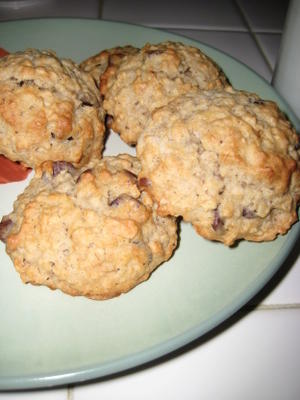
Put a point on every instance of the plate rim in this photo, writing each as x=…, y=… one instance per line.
x=167, y=347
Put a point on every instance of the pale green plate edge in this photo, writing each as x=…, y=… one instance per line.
x=166, y=347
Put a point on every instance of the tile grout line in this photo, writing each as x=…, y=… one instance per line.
x=100, y=9
x=201, y=29
x=192, y=28
x=272, y=307
x=70, y=392
x=253, y=35
x=247, y=309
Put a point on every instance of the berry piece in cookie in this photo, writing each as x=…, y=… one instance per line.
x=151, y=78
x=108, y=58
x=49, y=110
x=88, y=232
x=226, y=161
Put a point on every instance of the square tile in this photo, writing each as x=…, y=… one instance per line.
x=239, y=45
x=253, y=356
x=197, y=14
x=270, y=44
x=12, y=10
x=51, y=394
x=264, y=15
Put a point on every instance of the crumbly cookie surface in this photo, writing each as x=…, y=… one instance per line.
x=88, y=231
x=227, y=161
x=49, y=110
x=150, y=79
x=97, y=64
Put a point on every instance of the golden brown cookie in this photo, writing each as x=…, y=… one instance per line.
x=49, y=110
x=89, y=231
x=150, y=79
x=97, y=64
x=227, y=161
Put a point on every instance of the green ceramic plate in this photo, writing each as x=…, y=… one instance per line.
x=48, y=338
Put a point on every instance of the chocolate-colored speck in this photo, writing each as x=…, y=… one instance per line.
x=217, y=222
x=59, y=166
x=108, y=121
x=5, y=227
x=116, y=201
x=256, y=101
x=26, y=82
x=248, y=213
x=85, y=103
x=144, y=182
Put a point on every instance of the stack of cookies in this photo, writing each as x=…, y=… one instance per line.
x=83, y=224
x=223, y=160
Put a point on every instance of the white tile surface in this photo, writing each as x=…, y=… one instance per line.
x=255, y=358
x=270, y=44
x=237, y=44
x=202, y=14
x=54, y=394
x=264, y=15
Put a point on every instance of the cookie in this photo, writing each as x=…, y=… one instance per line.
x=226, y=161
x=49, y=110
x=97, y=64
x=150, y=79
x=90, y=232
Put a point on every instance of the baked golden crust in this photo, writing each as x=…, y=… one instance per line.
x=227, y=161
x=97, y=64
x=49, y=110
x=89, y=232
x=150, y=79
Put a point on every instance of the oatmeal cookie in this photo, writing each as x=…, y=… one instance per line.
x=88, y=231
x=97, y=64
x=49, y=110
x=150, y=79
x=226, y=161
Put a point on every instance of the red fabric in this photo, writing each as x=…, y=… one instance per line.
x=3, y=52
x=11, y=171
